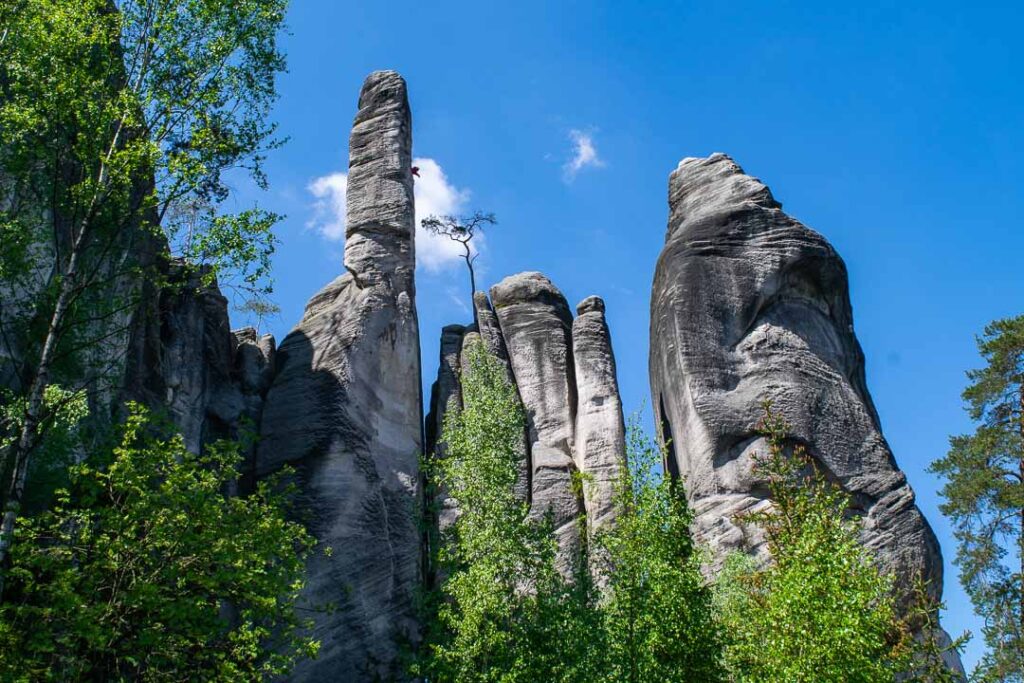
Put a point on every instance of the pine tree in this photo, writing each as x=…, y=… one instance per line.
x=984, y=497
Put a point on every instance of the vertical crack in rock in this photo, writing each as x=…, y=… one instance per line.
x=536, y=324
x=600, y=431
x=750, y=305
x=345, y=410
x=564, y=373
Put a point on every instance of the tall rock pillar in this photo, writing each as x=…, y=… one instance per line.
x=345, y=410
x=750, y=305
x=600, y=432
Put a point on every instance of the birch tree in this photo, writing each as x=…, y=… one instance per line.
x=113, y=113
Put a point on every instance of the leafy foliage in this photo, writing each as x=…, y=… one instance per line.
x=505, y=613
x=116, y=118
x=658, y=612
x=145, y=570
x=65, y=411
x=984, y=497
x=821, y=611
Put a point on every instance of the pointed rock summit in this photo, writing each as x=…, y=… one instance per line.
x=345, y=411
x=749, y=305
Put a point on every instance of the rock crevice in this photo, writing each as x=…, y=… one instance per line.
x=564, y=372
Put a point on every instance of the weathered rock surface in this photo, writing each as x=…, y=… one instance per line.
x=531, y=329
x=750, y=305
x=445, y=395
x=196, y=363
x=600, y=432
x=536, y=324
x=345, y=410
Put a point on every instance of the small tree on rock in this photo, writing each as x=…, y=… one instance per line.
x=822, y=611
x=462, y=229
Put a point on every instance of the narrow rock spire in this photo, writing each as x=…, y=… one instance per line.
x=600, y=433
x=380, y=214
x=345, y=409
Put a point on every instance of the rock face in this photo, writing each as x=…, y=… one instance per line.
x=185, y=359
x=444, y=396
x=750, y=305
x=345, y=410
x=564, y=372
x=536, y=324
x=600, y=437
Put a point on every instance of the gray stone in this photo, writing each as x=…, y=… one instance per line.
x=537, y=327
x=489, y=328
x=554, y=494
x=551, y=361
x=445, y=394
x=345, y=410
x=600, y=432
x=750, y=305
x=196, y=361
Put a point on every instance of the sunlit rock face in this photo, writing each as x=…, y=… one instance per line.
x=345, y=410
x=564, y=372
x=749, y=305
x=600, y=437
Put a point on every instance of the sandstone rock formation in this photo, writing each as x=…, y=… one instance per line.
x=345, y=410
x=600, y=436
x=750, y=305
x=564, y=372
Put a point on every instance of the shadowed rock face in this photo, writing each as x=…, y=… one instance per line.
x=345, y=410
x=564, y=372
x=750, y=305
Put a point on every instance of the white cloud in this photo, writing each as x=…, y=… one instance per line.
x=584, y=154
x=435, y=196
x=329, y=207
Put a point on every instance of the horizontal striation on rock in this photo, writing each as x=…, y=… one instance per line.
x=600, y=431
x=345, y=410
x=531, y=329
x=750, y=305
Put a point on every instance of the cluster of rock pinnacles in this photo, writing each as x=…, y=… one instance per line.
x=748, y=305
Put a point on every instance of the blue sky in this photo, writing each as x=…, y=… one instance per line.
x=893, y=129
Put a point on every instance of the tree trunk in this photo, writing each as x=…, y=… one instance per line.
x=472, y=281
x=22, y=449
x=1020, y=482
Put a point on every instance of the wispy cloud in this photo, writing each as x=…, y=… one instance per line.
x=458, y=299
x=584, y=154
x=435, y=196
